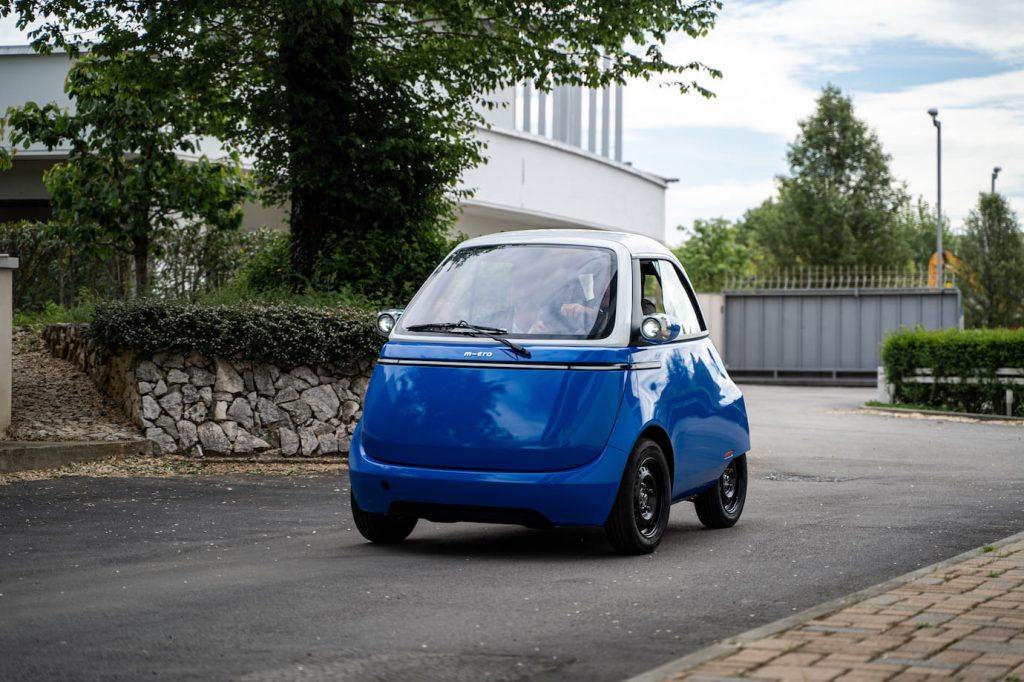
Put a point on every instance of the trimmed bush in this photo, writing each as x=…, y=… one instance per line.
x=956, y=354
x=286, y=335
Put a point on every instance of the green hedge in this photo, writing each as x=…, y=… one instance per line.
x=952, y=353
x=286, y=335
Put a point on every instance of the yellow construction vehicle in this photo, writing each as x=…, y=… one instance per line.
x=951, y=264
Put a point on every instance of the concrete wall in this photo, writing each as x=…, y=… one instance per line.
x=713, y=308
x=535, y=182
x=256, y=217
x=24, y=180
x=29, y=77
x=7, y=267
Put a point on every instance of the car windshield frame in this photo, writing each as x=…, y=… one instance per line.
x=589, y=277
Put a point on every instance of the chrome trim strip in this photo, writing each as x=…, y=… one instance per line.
x=611, y=367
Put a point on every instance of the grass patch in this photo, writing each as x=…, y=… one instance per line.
x=985, y=549
x=52, y=314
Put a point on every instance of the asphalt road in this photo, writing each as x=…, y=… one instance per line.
x=259, y=578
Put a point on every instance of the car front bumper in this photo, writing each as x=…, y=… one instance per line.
x=582, y=496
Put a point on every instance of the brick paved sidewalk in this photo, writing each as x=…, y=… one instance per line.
x=962, y=619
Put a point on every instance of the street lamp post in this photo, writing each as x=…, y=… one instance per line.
x=934, y=113
x=995, y=174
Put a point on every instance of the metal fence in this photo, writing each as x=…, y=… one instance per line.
x=801, y=335
x=836, y=277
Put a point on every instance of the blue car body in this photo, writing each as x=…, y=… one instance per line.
x=467, y=429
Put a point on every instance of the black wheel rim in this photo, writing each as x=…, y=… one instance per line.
x=648, y=497
x=729, y=487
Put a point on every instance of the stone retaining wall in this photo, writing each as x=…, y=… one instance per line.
x=114, y=376
x=196, y=405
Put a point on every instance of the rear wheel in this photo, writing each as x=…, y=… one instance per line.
x=640, y=515
x=382, y=528
x=720, y=505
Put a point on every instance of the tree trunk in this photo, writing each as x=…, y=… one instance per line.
x=316, y=68
x=140, y=257
x=309, y=229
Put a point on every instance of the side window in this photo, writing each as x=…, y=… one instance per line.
x=678, y=304
x=652, y=300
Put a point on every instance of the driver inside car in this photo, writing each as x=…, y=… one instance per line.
x=580, y=307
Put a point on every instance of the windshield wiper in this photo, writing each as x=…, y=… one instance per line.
x=472, y=329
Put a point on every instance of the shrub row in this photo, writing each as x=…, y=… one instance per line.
x=285, y=335
x=955, y=354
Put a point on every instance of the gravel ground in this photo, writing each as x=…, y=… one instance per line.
x=173, y=465
x=55, y=401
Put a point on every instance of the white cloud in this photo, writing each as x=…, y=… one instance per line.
x=981, y=119
x=764, y=49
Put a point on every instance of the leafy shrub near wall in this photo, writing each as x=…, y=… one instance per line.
x=286, y=335
x=956, y=354
x=52, y=270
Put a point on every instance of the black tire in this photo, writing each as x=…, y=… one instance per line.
x=382, y=528
x=640, y=514
x=720, y=505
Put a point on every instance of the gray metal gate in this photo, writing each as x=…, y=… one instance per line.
x=824, y=335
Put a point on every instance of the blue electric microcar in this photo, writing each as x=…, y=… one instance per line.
x=550, y=378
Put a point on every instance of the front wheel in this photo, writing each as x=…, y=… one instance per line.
x=720, y=505
x=381, y=528
x=640, y=514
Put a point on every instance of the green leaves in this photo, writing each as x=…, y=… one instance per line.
x=715, y=251
x=362, y=115
x=992, y=249
x=124, y=184
x=840, y=204
x=955, y=354
x=286, y=335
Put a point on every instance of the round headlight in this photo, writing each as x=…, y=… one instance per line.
x=651, y=328
x=385, y=323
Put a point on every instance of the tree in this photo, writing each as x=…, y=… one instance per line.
x=123, y=183
x=993, y=249
x=714, y=251
x=917, y=223
x=840, y=204
x=362, y=114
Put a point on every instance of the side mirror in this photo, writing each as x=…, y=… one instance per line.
x=659, y=328
x=386, y=321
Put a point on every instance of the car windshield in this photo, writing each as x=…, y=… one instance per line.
x=522, y=290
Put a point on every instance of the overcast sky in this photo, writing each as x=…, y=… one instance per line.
x=897, y=58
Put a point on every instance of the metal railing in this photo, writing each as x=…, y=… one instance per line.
x=835, y=277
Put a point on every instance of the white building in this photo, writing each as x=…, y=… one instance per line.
x=554, y=160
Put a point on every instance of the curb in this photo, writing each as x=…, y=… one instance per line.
x=27, y=455
x=729, y=645
x=942, y=413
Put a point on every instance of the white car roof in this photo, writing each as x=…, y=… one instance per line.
x=637, y=245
